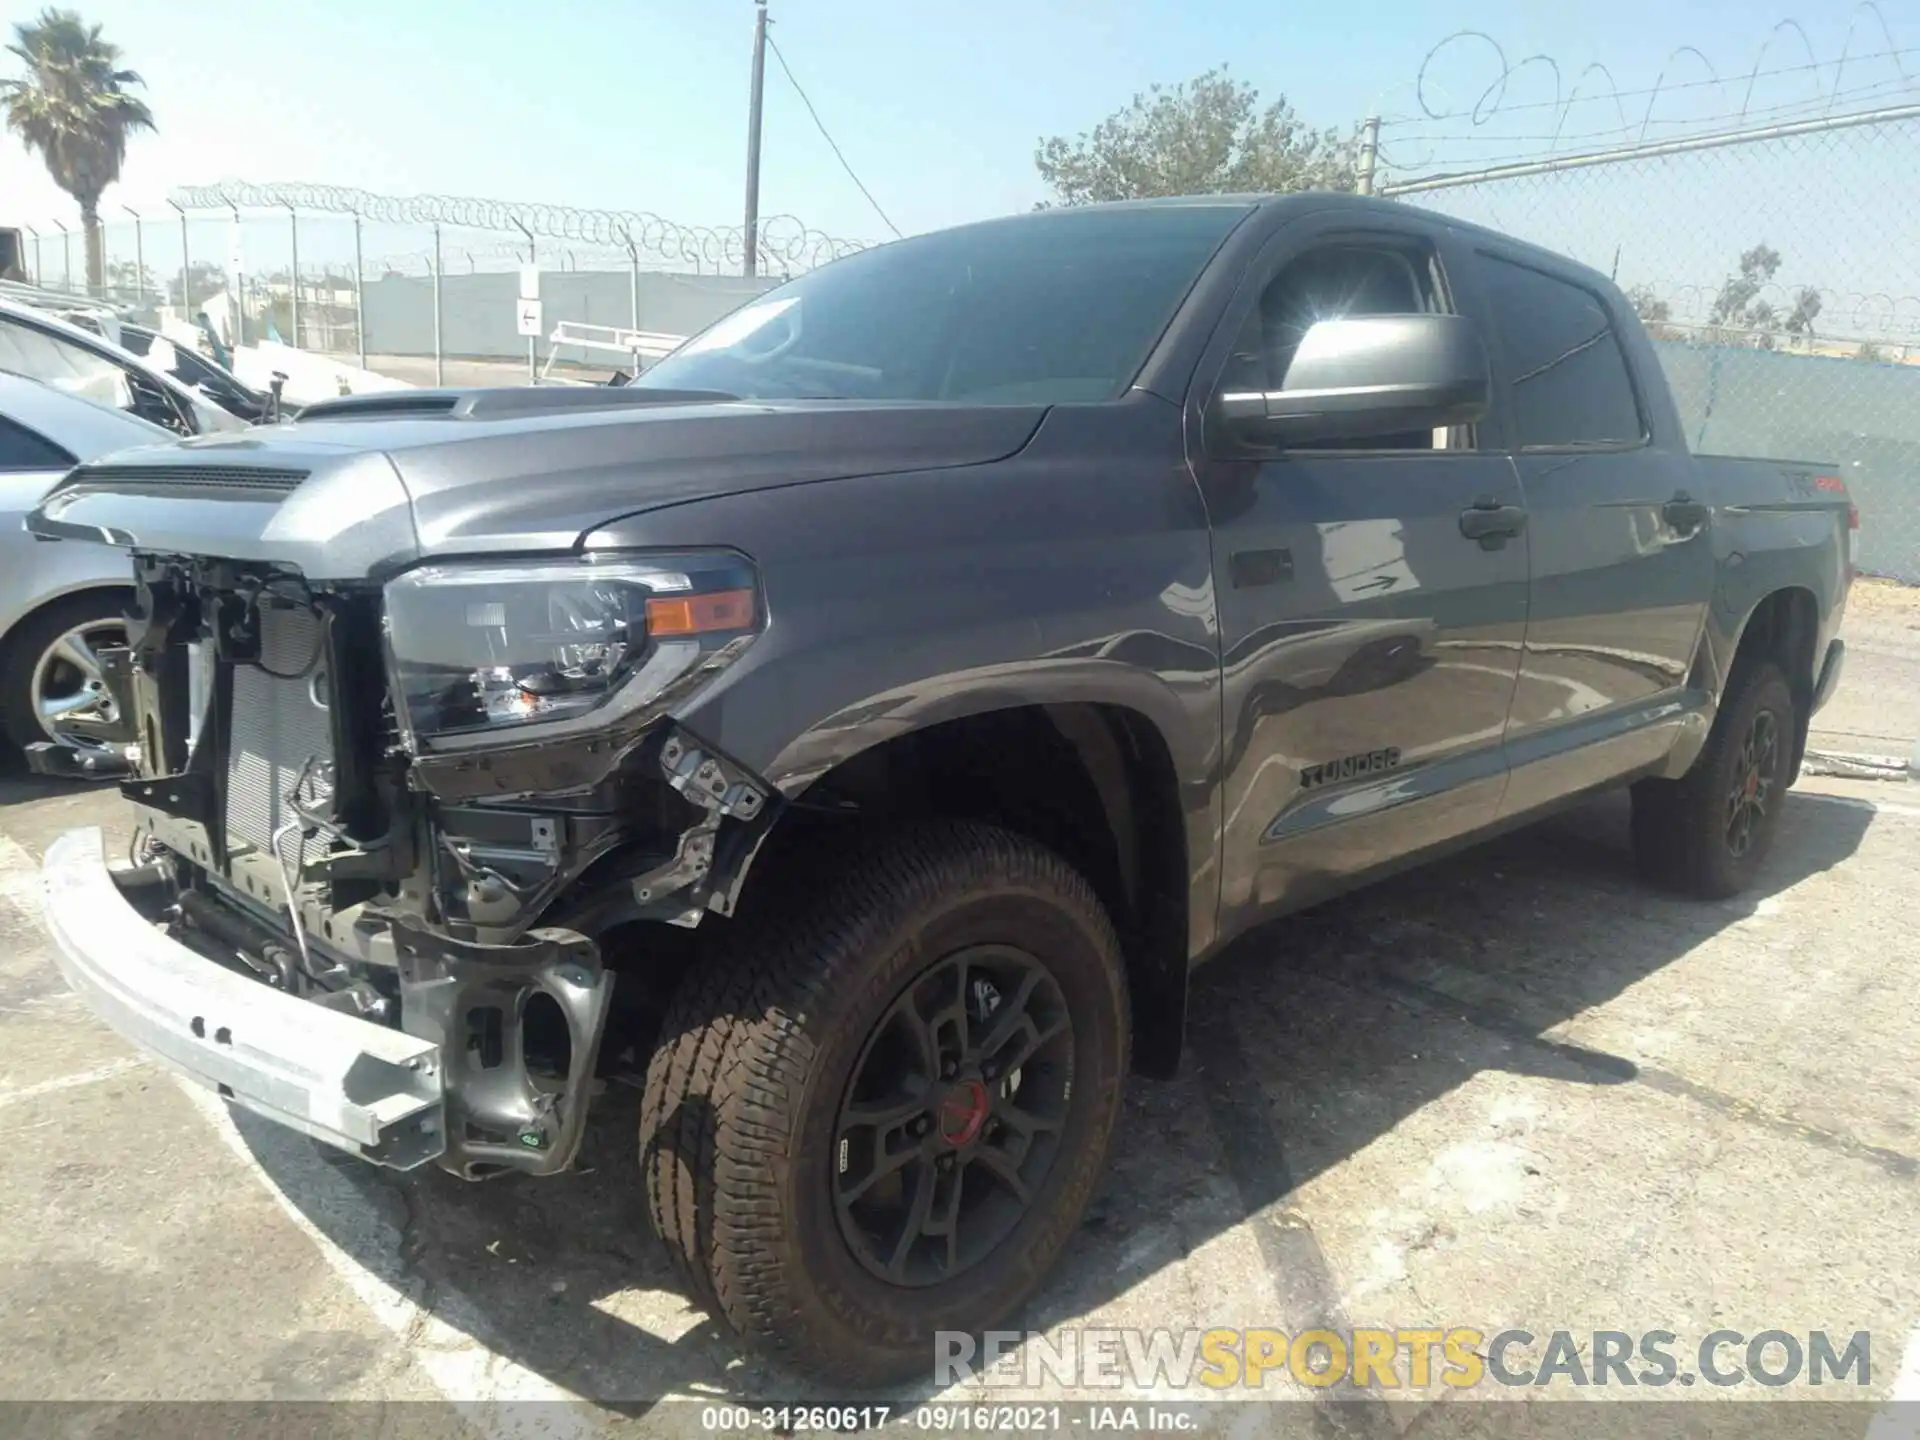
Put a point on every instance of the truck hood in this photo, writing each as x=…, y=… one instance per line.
x=347, y=498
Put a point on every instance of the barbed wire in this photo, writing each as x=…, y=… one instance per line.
x=1434, y=106
x=782, y=241
x=461, y=253
x=1843, y=314
x=1875, y=89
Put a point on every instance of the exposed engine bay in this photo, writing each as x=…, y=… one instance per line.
x=426, y=811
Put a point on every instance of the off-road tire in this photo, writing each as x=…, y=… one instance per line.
x=746, y=1082
x=1680, y=838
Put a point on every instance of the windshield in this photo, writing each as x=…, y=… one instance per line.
x=56, y=361
x=189, y=368
x=1049, y=308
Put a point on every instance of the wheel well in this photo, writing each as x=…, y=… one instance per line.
x=65, y=597
x=9, y=642
x=1785, y=628
x=1094, y=783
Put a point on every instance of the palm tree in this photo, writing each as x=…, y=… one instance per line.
x=73, y=108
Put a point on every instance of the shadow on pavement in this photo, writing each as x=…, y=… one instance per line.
x=1370, y=1007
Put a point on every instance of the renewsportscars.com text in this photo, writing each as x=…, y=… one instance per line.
x=1459, y=1357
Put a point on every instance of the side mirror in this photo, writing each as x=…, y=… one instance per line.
x=1370, y=375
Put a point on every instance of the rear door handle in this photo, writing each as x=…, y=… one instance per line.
x=1490, y=522
x=1686, y=514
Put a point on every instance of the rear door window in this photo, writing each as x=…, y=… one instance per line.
x=1567, y=373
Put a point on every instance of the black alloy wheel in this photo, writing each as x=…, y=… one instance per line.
x=954, y=1114
x=1708, y=832
x=878, y=1108
x=1754, y=777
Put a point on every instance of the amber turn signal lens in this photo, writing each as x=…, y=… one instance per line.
x=700, y=614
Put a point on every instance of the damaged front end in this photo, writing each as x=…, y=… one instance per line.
x=421, y=806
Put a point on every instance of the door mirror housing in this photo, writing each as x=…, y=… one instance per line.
x=1369, y=375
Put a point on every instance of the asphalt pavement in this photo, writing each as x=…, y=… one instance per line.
x=1876, y=711
x=1517, y=1089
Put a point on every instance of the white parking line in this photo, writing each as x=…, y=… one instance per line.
x=20, y=885
x=67, y=1082
x=1899, y=1418
x=1853, y=802
x=475, y=1379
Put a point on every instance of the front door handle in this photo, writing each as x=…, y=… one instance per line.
x=1686, y=514
x=1490, y=522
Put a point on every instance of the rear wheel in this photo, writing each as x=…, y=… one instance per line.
x=1707, y=833
x=53, y=675
x=882, y=1113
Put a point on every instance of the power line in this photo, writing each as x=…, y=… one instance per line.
x=820, y=125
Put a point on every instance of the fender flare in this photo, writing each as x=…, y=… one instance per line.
x=1172, y=928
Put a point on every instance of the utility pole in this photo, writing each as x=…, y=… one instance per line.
x=751, y=264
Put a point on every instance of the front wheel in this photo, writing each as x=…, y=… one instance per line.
x=1707, y=833
x=882, y=1113
x=53, y=676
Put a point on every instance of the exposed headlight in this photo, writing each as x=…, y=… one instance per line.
x=475, y=650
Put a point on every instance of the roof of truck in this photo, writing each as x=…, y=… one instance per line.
x=1306, y=201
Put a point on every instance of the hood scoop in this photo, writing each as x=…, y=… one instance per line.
x=503, y=402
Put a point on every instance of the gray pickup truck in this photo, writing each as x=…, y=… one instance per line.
x=867, y=719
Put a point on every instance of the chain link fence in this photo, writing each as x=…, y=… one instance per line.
x=425, y=288
x=1777, y=268
x=1778, y=271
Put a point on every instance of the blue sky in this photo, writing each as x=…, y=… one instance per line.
x=640, y=103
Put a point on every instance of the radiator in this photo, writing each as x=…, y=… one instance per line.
x=278, y=726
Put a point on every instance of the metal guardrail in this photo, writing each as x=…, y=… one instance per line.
x=639, y=348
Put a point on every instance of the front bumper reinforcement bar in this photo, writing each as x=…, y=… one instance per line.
x=368, y=1089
